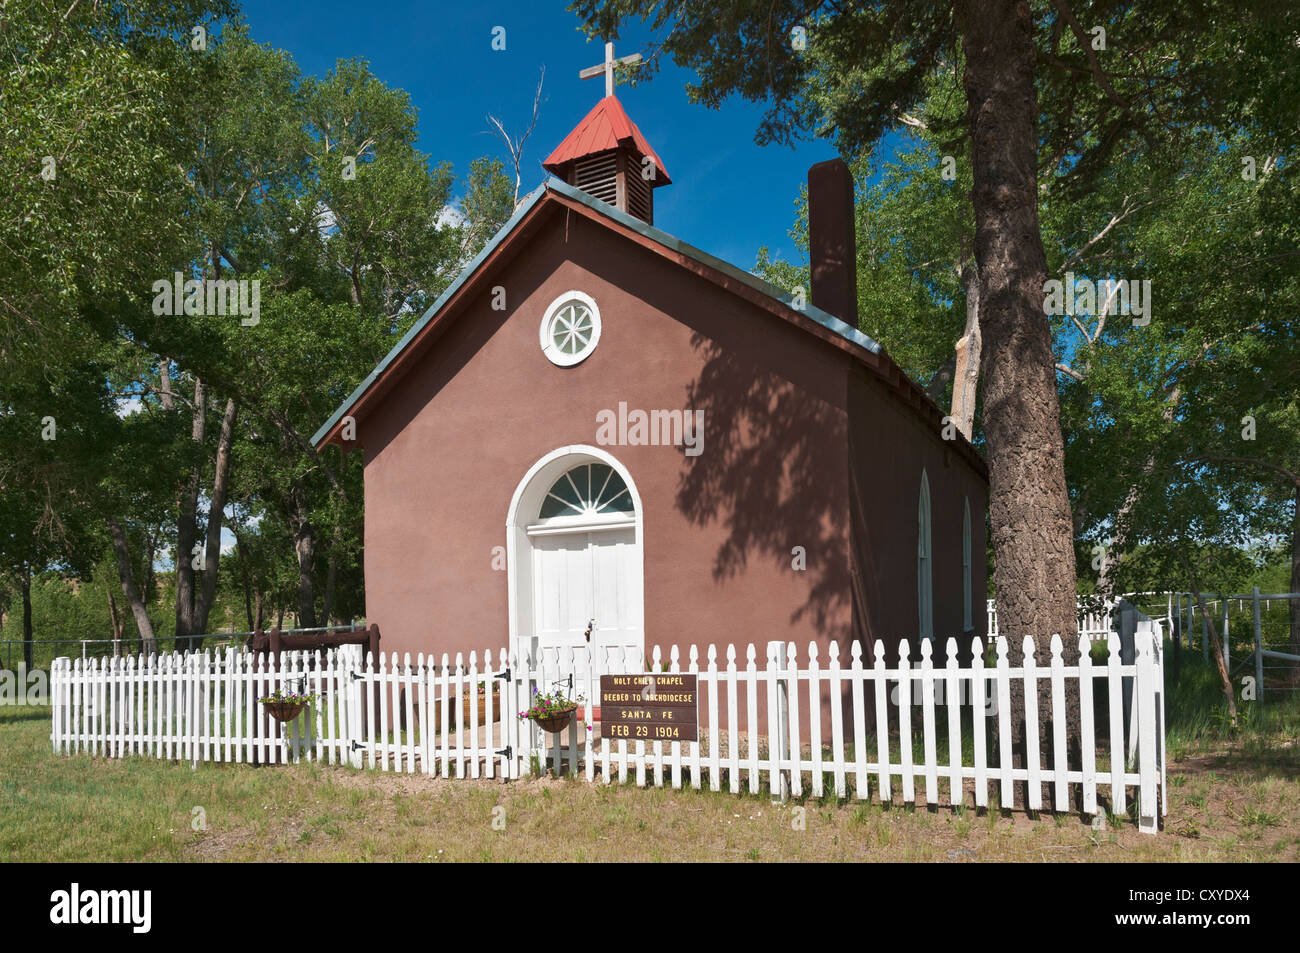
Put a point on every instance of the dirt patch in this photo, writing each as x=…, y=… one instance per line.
x=218, y=845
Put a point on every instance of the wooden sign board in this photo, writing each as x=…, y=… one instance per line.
x=649, y=707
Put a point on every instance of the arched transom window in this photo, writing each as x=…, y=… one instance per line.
x=591, y=490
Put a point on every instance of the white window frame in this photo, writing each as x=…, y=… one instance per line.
x=924, y=562
x=547, y=341
x=524, y=506
x=967, y=605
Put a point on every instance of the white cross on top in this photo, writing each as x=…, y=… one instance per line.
x=608, y=67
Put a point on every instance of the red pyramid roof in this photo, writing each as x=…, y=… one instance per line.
x=606, y=127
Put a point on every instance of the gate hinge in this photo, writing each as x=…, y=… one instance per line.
x=504, y=676
x=358, y=746
x=507, y=751
x=354, y=675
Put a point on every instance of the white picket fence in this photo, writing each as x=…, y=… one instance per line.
x=892, y=728
x=203, y=706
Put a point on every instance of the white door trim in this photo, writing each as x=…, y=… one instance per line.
x=524, y=507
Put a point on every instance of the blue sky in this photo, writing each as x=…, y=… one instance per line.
x=728, y=196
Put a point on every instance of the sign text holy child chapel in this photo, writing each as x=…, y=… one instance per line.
x=649, y=707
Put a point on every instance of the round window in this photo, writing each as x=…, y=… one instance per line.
x=570, y=329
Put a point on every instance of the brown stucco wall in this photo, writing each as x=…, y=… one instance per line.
x=448, y=445
x=803, y=447
x=891, y=446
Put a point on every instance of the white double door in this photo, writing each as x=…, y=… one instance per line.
x=589, y=578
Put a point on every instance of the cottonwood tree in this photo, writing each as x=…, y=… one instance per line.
x=92, y=178
x=219, y=161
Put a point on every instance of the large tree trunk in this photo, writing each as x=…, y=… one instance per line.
x=27, y=617
x=1034, y=571
x=148, y=644
x=304, y=545
x=216, y=512
x=187, y=522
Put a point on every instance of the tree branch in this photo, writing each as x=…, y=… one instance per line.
x=1249, y=461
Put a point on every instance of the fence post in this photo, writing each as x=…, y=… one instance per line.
x=1146, y=726
x=356, y=706
x=371, y=715
x=1259, y=646
x=782, y=753
x=1128, y=623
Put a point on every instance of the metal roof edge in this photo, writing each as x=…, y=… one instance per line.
x=824, y=318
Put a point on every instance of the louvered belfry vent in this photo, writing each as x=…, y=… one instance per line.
x=605, y=156
x=639, y=198
x=598, y=176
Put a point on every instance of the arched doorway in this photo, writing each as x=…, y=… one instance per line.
x=574, y=557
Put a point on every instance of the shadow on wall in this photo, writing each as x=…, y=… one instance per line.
x=773, y=473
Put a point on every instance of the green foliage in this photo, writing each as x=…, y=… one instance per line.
x=222, y=162
x=1137, y=180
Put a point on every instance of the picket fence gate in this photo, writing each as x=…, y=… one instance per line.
x=457, y=718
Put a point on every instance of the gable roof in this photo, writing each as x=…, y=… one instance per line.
x=754, y=289
x=606, y=127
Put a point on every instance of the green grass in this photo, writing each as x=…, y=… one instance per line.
x=1234, y=795
x=80, y=808
x=1196, y=711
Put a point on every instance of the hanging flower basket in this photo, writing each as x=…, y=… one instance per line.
x=285, y=706
x=285, y=711
x=553, y=712
x=557, y=721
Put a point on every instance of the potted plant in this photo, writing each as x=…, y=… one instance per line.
x=552, y=712
x=285, y=706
